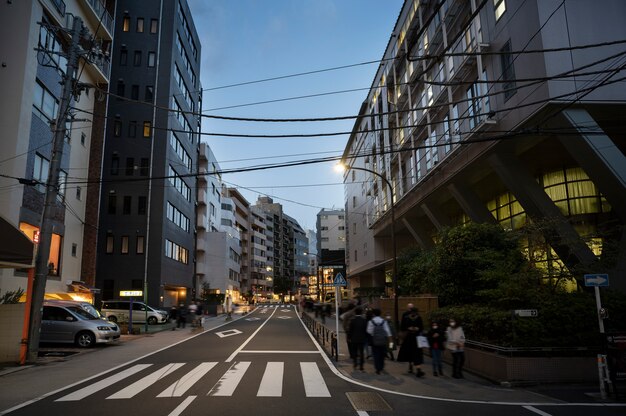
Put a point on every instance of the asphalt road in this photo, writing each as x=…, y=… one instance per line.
x=265, y=363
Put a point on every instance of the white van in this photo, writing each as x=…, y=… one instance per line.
x=119, y=311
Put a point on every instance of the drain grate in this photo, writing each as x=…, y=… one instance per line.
x=367, y=401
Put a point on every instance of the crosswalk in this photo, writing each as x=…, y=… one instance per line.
x=271, y=384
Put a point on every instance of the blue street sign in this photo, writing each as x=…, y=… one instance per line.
x=340, y=280
x=597, y=280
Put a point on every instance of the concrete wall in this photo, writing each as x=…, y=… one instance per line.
x=11, y=320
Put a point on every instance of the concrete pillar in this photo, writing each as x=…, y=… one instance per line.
x=435, y=216
x=419, y=233
x=470, y=203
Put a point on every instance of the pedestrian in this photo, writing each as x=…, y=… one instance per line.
x=173, y=316
x=455, y=342
x=193, y=313
x=394, y=335
x=182, y=316
x=368, y=344
x=357, y=335
x=346, y=317
x=412, y=326
x=380, y=334
x=436, y=340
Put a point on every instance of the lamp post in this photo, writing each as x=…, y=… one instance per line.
x=394, y=265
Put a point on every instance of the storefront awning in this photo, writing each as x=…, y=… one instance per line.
x=16, y=250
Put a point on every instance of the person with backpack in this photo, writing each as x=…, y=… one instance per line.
x=412, y=326
x=381, y=336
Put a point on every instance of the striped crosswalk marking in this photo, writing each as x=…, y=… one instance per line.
x=314, y=385
x=91, y=389
x=272, y=382
x=228, y=383
x=145, y=382
x=178, y=388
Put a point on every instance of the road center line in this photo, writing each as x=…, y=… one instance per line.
x=535, y=410
x=241, y=347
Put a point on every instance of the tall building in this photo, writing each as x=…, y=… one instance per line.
x=34, y=59
x=148, y=203
x=466, y=124
x=259, y=283
x=331, y=244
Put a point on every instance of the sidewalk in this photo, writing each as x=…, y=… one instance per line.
x=395, y=377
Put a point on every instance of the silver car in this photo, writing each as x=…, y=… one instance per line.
x=74, y=325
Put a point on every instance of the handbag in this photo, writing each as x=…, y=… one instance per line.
x=422, y=342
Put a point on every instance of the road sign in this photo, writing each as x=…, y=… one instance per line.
x=340, y=280
x=526, y=313
x=127, y=293
x=597, y=280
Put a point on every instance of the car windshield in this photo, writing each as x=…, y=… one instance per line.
x=81, y=313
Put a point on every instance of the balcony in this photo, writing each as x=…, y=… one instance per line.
x=98, y=17
x=202, y=199
x=201, y=221
x=201, y=244
x=201, y=268
x=202, y=176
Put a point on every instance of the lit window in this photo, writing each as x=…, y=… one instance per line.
x=140, y=244
x=126, y=24
x=140, y=24
x=500, y=7
x=147, y=127
x=124, y=244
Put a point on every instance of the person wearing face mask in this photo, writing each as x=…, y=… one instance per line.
x=456, y=344
x=436, y=339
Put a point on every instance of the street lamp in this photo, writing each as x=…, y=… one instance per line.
x=394, y=266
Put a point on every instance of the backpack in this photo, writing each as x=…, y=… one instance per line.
x=379, y=338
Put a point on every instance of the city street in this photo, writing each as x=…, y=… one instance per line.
x=262, y=363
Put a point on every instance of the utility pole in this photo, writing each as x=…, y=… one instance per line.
x=52, y=190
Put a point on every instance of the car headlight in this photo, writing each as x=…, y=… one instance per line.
x=104, y=328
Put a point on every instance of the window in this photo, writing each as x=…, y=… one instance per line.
x=134, y=92
x=126, y=24
x=147, y=127
x=127, y=205
x=473, y=105
x=112, y=204
x=354, y=228
x=178, y=148
x=140, y=25
x=141, y=244
x=149, y=93
x=144, y=169
x=124, y=244
x=356, y=257
x=176, y=252
x=132, y=129
x=123, y=57
x=137, y=58
x=211, y=209
x=177, y=217
x=109, y=245
x=83, y=138
x=353, y=201
x=45, y=102
x=446, y=134
x=178, y=183
x=141, y=205
x=130, y=166
x=78, y=192
x=115, y=165
x=154, y=26
x=151, y=59
x=508, y=71
x=117, y=128
x=499, y=7
x=74, y=249
x=40, y=172
x=121, y=88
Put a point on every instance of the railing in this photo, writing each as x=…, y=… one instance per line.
x=101, y=12
x=323, y=335
x=533, y=351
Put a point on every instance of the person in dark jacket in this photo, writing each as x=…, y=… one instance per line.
x=182, y=316
x=357, y=336
x=437, y=342
x=412, y=326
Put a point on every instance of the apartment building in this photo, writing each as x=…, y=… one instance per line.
x=34, y=50
x=492, y=111
x=331, y=243
x=148, y=198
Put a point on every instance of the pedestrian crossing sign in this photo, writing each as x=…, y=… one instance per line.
x=340, y=280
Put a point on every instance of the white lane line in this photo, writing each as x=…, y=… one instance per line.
x=535, y=410
x=314, y=384
x=181, y=407
x=91, y=389
x=147, y=381
x=276, y=352
x=178, y=388
x=362, y=413
x=241, y=347
x=272, y=381
x=230, y=380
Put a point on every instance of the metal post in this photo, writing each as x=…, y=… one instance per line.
x=52, y=190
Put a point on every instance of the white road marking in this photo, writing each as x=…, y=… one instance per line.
x=179, y=387
x=147, y=381
x=230, y=380
x=314, y=385
x=276, y=352
x=535, y=410
x=272, y=382
x=362, y=413
x=242, y=346
x=253, y=319
x=91, y=389
x=181, y=407
x=228, y=333
x=284, y=317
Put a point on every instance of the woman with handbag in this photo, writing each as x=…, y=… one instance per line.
x=411, y=326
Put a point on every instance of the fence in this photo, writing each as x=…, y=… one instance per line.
x=324, y=336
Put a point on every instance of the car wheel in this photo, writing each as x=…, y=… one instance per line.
x=152, y=320
x=85, y=339
x=112, y=319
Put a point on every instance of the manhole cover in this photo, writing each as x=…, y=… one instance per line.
x=367, y=401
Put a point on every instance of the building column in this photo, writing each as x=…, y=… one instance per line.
x=438, y=220
x=563, y=238
x=419, y=234
x=596, y=153
x=470, y=203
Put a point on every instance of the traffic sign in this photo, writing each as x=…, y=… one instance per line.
x=340, y=280
x=526, y=313
x=597, y=280
x=127, y=293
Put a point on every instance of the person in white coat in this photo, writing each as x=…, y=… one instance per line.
x=456, y=345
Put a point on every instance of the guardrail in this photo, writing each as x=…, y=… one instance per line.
x=323, y=335
x=532, y=351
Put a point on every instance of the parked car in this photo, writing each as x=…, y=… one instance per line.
x=85, y=305
x=71, y=324
x=119, y=311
